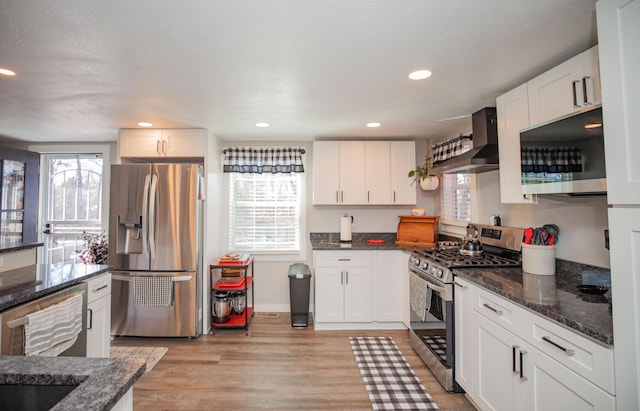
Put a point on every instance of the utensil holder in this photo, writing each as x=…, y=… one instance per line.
x=539, y=259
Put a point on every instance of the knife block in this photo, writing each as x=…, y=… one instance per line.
x=417, y=232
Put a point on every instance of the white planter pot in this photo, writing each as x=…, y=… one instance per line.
x=429, y=183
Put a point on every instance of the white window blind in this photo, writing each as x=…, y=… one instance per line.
x=265, y=212
x=456, y=197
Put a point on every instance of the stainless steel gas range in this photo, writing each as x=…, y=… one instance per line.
x=431, y=291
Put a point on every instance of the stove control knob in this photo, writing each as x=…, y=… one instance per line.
x=424, y=266
x=440, y=273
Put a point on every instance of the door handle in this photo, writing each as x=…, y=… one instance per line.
x=575, y=85
x=47, y=229
x=513, y=359
x=522, y=377
x=567, y=351
x=498, y=312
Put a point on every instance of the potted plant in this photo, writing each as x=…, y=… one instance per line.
x=422, y=177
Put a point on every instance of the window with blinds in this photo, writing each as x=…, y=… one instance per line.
x=265, y=212
x=456, y=197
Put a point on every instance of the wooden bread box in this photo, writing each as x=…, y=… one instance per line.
x=417, y=231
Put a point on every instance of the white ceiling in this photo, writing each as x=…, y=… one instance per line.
x=311, y=68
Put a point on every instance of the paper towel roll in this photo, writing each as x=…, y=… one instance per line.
x=345, y=228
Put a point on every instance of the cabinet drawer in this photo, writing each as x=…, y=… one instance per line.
x=343, y=259
x=498, y=310
x=98, y=287
x=589, y=359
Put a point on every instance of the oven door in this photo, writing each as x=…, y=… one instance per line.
x=432, y=315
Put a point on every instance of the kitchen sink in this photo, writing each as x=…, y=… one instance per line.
x=32, y=397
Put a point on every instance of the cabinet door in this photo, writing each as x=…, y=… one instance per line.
x=465, y=334
x=403, y=160
x=326, y=172
x=388, y=274
x=618, y=32
x=189, y=142
x=358, y=295
x=624, y=226
x=551, y=386
x=352, y=177
x=551, y=94
x=329, y=294
x=140, y=143
x=497, y=383
x=378, y=178
x=513, y=116
x=98, y=327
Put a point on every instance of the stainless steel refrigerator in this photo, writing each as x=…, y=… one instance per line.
x=155, y=245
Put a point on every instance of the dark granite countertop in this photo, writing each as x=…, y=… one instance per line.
x=10, y=247
x=554, y=296
x=103, y=381
x=27, y=283
x=359, y=241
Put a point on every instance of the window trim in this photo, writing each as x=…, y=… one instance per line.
x=456, y=227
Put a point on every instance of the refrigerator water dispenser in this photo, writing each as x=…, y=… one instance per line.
x=130, y=233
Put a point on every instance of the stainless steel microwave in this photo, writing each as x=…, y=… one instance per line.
x=565, y=155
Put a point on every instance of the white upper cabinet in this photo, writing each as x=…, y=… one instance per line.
x=363, y=172
x=150, y=143
x=513, y=116
x=338, y=172
x=377, y=176
x=403, y=160
x=569, y=87
x=618, y=34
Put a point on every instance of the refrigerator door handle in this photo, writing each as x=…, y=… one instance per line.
x=145, y=216
x=152, y=217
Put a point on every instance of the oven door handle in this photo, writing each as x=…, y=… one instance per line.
x=439, y=290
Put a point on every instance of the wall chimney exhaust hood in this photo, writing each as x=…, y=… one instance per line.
x=484, y=154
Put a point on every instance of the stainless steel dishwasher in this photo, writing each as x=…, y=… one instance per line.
x=12, y=337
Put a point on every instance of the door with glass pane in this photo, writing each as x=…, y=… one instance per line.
x=72, y=207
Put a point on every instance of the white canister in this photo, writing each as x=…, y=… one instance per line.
x=539, y=259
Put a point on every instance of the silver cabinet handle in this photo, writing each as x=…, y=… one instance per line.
x=584, y=90
x=100, y=288
x=464, y=287
x=575, y=93
x=347, y=278
x=394, y=196
x=522, y=377
x=368, y=197
x=341, y=196
x=164, y=146
x=567, y=351
x=337, y=197
x=498, y=312
x=341, y=277
x=158, y=146
x=90, y=326
x=344, y=259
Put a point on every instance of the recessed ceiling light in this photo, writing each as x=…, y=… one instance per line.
x=262, y=124
x=145, y=124
x=7, y=72
x=420, y=75
x=374, y=124
x=593, y=125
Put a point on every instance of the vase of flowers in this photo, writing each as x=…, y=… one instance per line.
x=95, y=249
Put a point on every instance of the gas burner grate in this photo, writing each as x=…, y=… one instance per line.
x=452, y=258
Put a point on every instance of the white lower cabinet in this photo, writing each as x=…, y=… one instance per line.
x=343, y=287
x=99, y=316
x=465, y=329
x=359, y=289
x=512, y=365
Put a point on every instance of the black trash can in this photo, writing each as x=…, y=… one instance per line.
x=299, y=285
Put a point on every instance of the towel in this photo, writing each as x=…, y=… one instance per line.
x=418, y=296
x=153, y=291
x=51, y=331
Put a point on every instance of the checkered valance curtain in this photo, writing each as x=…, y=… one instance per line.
x=551, y=159
x=263, y=160
x=450, y=148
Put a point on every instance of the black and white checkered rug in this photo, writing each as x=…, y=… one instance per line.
x=388, y=378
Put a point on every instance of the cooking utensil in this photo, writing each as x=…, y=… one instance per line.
x=553, y=230
x=528, y=235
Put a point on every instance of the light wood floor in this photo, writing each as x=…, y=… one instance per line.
x=273, y=367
